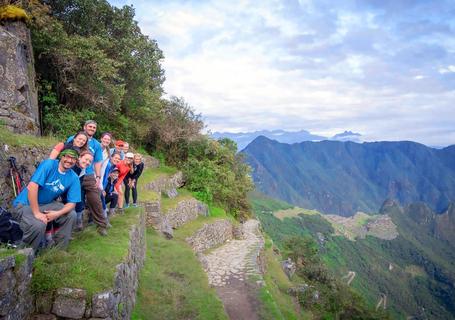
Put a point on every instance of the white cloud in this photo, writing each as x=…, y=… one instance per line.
x=248, y=65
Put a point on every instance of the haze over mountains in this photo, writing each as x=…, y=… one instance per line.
x=244, y=138
x=345, y=177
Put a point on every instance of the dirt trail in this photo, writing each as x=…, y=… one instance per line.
x=234, y=271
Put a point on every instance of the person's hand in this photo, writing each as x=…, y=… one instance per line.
x=51, y=215
x=41, y=217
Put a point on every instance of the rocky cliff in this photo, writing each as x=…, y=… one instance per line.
x=18, y=93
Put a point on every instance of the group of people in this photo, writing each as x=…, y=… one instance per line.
x=80, y=173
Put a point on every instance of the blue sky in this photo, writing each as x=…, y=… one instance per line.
x=384, y=68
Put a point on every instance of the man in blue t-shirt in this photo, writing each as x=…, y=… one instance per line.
x=36, y=205
x=92, y=177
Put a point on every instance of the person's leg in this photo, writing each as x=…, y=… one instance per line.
x=127, y=193
x=32, y=228
x=80, y=206
x=134, y=191
x=64, y=224
x=93, y=200
x=120, y=197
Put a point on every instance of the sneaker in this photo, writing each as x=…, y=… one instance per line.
x=102, y=231
x=135, y=205
x=126, y=206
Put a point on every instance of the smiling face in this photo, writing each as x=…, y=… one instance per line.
x=79, y=140
x=67, y=162
x=137, y=159
x=126, y=147
x=106, y=141
x=90, y=129
x=85, y=160
x=115, y=158
x=128, y=160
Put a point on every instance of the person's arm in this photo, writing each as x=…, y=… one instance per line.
x=56, y=151
x=54, y=214
x=33, y=200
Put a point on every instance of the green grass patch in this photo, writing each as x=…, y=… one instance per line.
x=217, y=212
x=173, y=285
x=18, y=140
x=8, y=252
x=277, y=303
x=169, y=203
x=90, y=261
x=293, y=212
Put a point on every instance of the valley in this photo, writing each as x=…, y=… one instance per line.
x=403, y=267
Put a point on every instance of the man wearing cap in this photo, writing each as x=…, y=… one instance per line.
x=36, y=205
x=92, y=178
x=119, y=145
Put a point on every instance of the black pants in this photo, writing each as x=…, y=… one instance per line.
x=112, y=198
x=127, y=192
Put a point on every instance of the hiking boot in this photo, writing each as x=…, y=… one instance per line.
x=111, y=212
x=102, y=231
x=120, y=211
x=79, y=226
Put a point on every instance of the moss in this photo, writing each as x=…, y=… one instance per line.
x=13, y=13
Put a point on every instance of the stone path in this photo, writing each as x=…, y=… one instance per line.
x=234, y=270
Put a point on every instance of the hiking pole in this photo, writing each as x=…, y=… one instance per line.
x=15, y=174
x=12, y=181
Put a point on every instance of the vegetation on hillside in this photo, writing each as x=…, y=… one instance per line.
x=414, y=270
x=93, y=62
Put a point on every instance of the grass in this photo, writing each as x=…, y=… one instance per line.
x=173, y=285
x=7, y=252
x=293, y=212
x=169, y=203
x=17, y=140
x=90, y=261
x=277, y=304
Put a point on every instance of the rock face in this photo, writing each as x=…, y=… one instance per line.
x=15, y=298
x=18, y=94
x=25, y=156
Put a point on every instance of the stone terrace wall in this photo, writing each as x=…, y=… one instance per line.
x=164, y=184
x=211, y=235
x=16, y=302
x=186, y=210
x=26, y=156
x=18, y=94
x=115, y=303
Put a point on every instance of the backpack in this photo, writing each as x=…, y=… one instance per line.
x=10, y=232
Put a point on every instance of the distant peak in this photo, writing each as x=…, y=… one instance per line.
x=388, y=205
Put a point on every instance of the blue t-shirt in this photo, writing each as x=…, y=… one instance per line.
x=95, y=147
x=52, y=184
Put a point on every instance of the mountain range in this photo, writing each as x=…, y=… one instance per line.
x=244, y=138
x=345, y=177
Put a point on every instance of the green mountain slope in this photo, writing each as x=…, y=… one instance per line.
x=415, y=270
x=344, y=177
